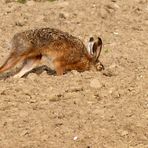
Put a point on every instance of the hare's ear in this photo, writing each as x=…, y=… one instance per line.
x=90, y=46
x=97, y=47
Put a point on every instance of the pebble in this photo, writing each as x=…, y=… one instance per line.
x=74, y=72
x=20, y=23
x=25, y=132
x=32, y=76
x=123, y=132
x=115, y=33
x=75, y=138
x=95, y=83
x=62, y=15
x=23, y=114
x=40, y=18
x=103, y=13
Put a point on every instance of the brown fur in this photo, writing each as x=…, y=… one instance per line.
x=66, y=51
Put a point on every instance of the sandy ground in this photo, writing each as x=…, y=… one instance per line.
x=107, y=109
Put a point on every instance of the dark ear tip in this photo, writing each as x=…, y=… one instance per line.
x=99, y=40
x=91, y=39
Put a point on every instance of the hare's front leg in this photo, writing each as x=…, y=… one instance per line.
x=80, y=66
x=59, y=65
x=28, y=65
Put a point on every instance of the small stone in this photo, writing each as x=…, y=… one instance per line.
x=44, y=138
x=54, y=98
x=33, y=101
x=23, y=114
x=19, y=23
x=115, y=33
x=94, y=6
x=111, y=90
x=108, y=73
x=95, y=83
x=40, y=18
x=123, y=132
x=74, y=72
x=112, y=66
x=32, y=76
x=103, y=13
x=3, y=93
x=25, y=132
x=62, y=15
x=141, y=76
x=75, y=138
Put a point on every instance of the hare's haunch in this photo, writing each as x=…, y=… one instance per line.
x=65, y=51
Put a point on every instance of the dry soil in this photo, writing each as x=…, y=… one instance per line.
x=107, y=109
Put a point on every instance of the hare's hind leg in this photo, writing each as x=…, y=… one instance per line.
x=28, y=65
x=11, y=62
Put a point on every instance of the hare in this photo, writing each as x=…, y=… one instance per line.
x=65, y=51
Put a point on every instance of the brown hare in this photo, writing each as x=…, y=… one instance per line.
x=65, y=51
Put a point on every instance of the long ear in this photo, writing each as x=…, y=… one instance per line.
x=90, y=46
x=97, y=47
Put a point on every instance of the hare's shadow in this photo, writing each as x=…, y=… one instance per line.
x=37, y=70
